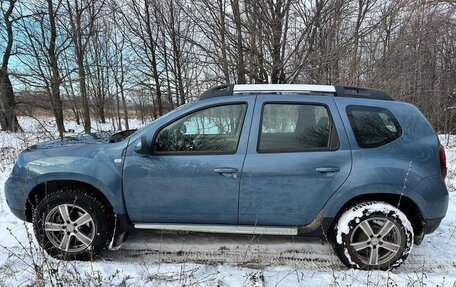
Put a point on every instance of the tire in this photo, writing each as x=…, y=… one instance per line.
x=72, y=224
x=373, y=236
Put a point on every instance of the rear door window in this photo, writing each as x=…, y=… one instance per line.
x=373, y=126
x=294, y=127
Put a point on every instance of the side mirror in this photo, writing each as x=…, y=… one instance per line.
x=141, y=145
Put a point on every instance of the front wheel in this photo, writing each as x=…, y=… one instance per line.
x=373, y=235
x=72, y=224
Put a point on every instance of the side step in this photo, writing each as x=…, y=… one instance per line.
x=238, y=229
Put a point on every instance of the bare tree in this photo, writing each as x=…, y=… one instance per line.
x=97, y=68
x=161, y=54
x=140, y=18
x=120, y=72
x=41, y=47
x=82, y=15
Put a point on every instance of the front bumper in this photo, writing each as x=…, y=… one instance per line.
x=19, y=213
x=16, y=195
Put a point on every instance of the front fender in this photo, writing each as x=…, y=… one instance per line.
x=100, y=172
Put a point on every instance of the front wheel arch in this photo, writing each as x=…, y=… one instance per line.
x=40, y=191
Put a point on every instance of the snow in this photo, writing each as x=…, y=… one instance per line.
x=152, y=258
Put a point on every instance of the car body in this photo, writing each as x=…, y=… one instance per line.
x=231, y=162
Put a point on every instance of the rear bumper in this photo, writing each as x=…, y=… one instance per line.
x=431, y=225
x=432, y=199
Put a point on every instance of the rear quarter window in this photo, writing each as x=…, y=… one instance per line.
x=373, y=126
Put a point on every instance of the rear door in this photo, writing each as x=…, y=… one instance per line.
x=298, y=156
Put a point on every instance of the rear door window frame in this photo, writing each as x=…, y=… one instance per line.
x=333, y=140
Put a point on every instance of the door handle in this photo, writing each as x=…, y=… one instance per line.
x=327, y=169
x=227, y=171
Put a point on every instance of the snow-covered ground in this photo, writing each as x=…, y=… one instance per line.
x=151, y=258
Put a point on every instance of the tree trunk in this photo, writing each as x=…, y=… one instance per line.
x=8, y=120
x=56, y=101
x=223, y=44
x=168, y=81
x=154, y=68
x=240, y=69
x=83, y=92
x=119, y=118
x=124, y=105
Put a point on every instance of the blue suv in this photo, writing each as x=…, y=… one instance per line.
x=345, y=163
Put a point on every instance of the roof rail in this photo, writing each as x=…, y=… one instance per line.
x=366, y=93
x=222, y=90
x=282, y=88
x=336, y=90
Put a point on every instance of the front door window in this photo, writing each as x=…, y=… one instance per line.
x=211, y=130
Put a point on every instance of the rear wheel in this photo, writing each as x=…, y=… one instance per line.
x=373, y=235
x=72, y=224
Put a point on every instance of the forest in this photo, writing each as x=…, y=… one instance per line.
x=113, y=60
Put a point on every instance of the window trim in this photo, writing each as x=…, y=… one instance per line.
x=350, y=108
x=333, y=135
x=152, y=150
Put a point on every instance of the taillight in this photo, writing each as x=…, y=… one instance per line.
x=443, y=166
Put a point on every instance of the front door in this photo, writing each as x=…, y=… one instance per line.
x=192, y=174
x=298, y=156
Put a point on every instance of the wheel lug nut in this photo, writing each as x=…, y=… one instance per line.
x=368, y=242
x=381, y=243
x=374, y=246
x=371, y=236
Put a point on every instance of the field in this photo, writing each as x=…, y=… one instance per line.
x=180, y=259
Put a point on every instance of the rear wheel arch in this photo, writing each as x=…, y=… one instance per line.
x=373, y=235
x=402, y=202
